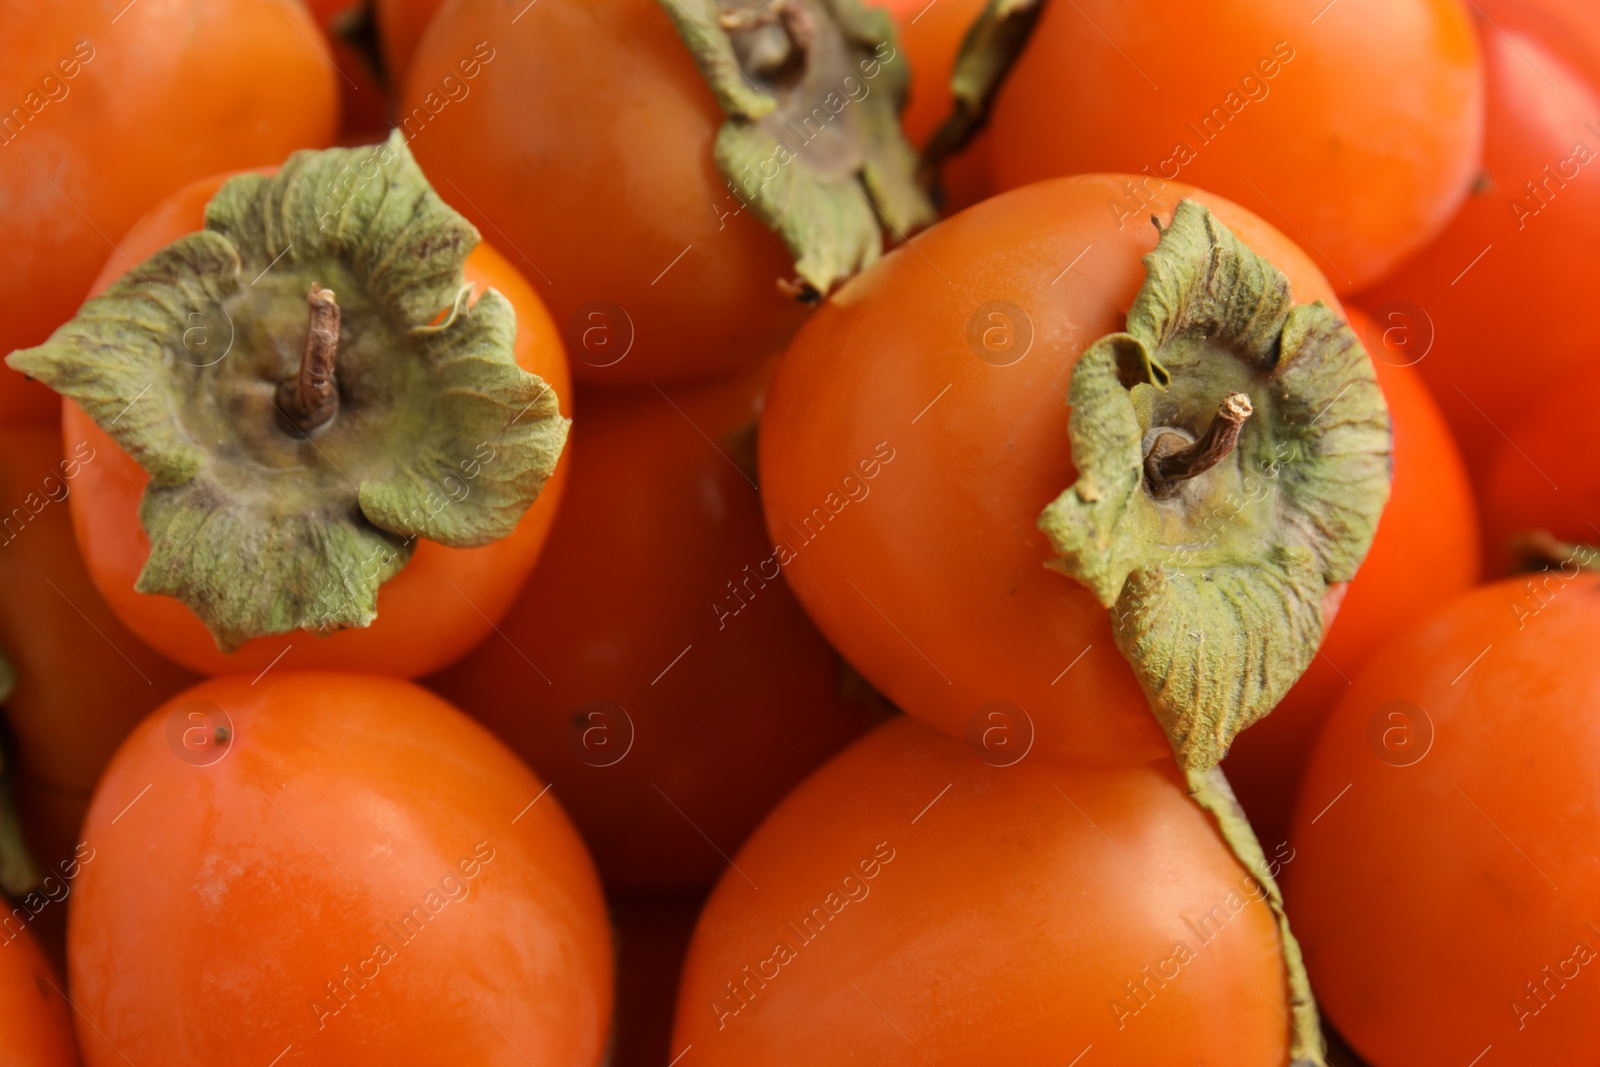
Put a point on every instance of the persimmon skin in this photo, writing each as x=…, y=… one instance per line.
x=35, y=1021
x=1426, y=895
x=82, y=679
x=230, y=897
x=1360, y=145
x=174, y=90
x=981, y=912
x=1477, y=282
x=1426, y=552
x=598, y=105
x=657, y=595
x=934, y=584
x=423, y=623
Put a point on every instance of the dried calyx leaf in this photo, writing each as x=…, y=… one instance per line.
x=1211, y=790
x=992, y=44
x=1215, y=583
x=265, y=516
x=813, y=91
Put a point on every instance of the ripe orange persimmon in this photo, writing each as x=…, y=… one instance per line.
x=443, y=601
x=35, y=1021
x=171, y=91
x=912, y=904
x=919, y=423
x=82, y=680
x=1430, y=517
x=645, y=234
x=1445, y=877
x=656, y=668
x=341, y=866
x=1527, y=237
x=1354, y=128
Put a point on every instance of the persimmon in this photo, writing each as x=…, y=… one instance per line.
x=81, y=679
x=663, y=140
x=656, y=669
x=1445, y=877
x=446, y=380
x=335, y=869
x=1527, y=237
x=1354, y=127
x=171, y=92
x=1431, y=516
x=35, y=1021
x=911, y=903
x=919, y=423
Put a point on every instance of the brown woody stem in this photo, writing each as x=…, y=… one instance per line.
x=312, y=397
x=1170, y=461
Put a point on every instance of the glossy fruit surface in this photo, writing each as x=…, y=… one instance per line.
x=656, y=668
x=82, y=679
x=439, y=606
x=1444, y=886
x=1430, y=517
x=1355, y=130
x=915, y=430
x=339, y=865
x=35, y=1021
x=171, y=90
x=651, y=268
x=911, y=903
x=1527, y=238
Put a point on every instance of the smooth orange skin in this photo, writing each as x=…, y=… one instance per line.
x=35, y=1021
x=1544, y=477
x=82, y=679
x=1015, y=904
x=423, y=623
x=175, y=90
x=1361, y=149
x=224, y=901
x=656, y=523
x=1543, y=71
x=583, y=148
x=1426, y=896
x=400, y=27
x=362, y=108
x=934, y=586
x=1426, y=552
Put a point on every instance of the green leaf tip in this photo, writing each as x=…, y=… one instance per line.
x=261, y=527
x=1211, y=790
x=812, y=144
x=1215, y=584
x=991, y=45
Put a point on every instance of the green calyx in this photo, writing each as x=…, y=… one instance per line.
x=1213, y=555
x=813, y=91
x=265, y=517
x=992, y=44
x=1210, y=789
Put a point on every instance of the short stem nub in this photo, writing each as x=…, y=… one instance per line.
x=1171, y=461
x=311, y=398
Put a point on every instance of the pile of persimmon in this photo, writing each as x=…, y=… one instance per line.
x=799, y=532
